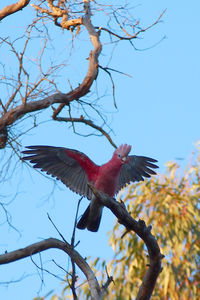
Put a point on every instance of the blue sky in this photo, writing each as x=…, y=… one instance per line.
x=158, y=114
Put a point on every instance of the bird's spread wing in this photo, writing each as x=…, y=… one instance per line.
x=68, y=165
x=135, y=169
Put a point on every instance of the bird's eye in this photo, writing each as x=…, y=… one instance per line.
x=119, y=155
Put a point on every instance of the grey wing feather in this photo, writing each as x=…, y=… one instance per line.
x=55, y=162
x=137, y=168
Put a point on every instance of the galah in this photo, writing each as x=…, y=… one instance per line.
x=75, y=170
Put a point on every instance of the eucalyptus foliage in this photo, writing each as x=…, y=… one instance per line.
x=170, y=203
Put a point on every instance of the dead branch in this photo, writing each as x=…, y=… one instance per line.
x=18, y=112
x=106, y=285
x=73, y=274
x=13, y=8
x=144, y=232
x=87, y=122
x=9, y=117
x=53, y=243
x=72, y=284
x=97, y=293
x=112, y=82
x=128, y=36
x=12, y=111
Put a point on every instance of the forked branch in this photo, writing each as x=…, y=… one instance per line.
x=89, y=123
x=129, y=37
x=144, y=232
x=9, y=117
x=67, y=248
x=139, y=227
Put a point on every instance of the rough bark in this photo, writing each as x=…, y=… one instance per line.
x=144, y=232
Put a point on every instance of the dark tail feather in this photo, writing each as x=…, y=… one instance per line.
x=91, y=219
x=93, y=223
x=82, y=223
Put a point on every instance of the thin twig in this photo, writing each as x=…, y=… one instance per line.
x=56, y=228
x=74, y=276
x=113, y=85
x=53, y=243
x=87, y=122
x=130, y=37
x=106, y=285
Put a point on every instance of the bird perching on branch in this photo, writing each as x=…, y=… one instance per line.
x=75, y=170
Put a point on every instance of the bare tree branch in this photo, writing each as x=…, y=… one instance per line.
x=134, y=36
x=72, y=284
x=67, y=248
x=87, y=122
x=144, y=232
x=106, y=285
x=139, y=227
x=12, y=111
x=13, y=8
x=9, y=117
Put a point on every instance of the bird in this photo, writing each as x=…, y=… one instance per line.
x=75, y=170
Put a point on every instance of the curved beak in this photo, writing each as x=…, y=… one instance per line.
x=123, y=159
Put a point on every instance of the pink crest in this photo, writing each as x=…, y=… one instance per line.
x=123, y=150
